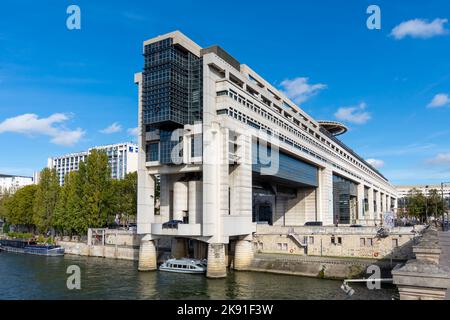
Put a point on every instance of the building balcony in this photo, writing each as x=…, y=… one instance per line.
x=180, y=230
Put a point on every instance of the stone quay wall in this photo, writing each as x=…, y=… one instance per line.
x=106, y=251
x=348, y=242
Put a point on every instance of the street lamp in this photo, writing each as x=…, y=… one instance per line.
x=426, y=202
x=443, y=202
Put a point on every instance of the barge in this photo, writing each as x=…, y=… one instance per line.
x=30, y=247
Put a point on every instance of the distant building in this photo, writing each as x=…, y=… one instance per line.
x=12, y=183
x=123, y=159
x=403, y=191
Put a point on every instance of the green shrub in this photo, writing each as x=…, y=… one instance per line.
x=19, y=235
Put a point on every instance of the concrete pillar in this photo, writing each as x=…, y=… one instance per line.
x=145, y=202
x=370, y=199
x=200, y=250
x=325, y=196
x=147, y=256
x=243, y=254
x=179, y=248
x=360, y=201
x=378, y=202
x=195, y=201
x=242, y=199
x=216, y=261
x=164, y=196
x=180, y=199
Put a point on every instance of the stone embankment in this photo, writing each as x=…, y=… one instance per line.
x=320, y=267
x=104, y=243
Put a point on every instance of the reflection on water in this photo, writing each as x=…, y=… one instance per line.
x=34, y=277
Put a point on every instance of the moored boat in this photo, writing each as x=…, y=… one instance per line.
x=30, y=247
x=184, y=265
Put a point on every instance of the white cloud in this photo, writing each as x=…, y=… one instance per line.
x=419, y=28
x=376, y=163
x=299, y=90
x=113, y=128
x=439, y=100
x=440, y=159
x=133, y=131
x=353, y=114
x=31, y=125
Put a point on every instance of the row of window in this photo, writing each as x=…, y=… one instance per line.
x=281, y=123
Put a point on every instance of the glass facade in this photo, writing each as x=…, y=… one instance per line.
x=172, y=96
x=345, y=200
x=172, y=84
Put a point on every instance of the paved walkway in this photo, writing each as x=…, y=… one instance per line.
x=323, y=259
x=444, y=258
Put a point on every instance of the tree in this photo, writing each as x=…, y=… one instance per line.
x=97, y=205
x=19, y=207
x=46, y=199
x=435, y=205
x=125, y=196
x=415, y=203
x=3, y=199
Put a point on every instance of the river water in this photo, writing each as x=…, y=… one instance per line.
x=35, y=277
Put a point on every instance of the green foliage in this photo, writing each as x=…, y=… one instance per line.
x=19, y=207
x=125, y=196
x=418, y=205
x=20, y=235
x=97, y=205
x=6, y=227
x=88, y=199
x=46, y=199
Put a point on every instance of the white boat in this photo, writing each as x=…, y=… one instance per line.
x=184, y=265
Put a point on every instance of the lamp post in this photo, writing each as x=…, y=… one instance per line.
x=443, y=202
x=426, y=202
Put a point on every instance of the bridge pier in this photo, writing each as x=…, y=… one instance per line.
x=243, y=254
x=216, y=261
x=147, y=255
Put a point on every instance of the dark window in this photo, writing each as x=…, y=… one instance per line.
x=153, y=151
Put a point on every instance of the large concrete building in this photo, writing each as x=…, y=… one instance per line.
x=231, y=151
x=11, y=183
x=122, y=158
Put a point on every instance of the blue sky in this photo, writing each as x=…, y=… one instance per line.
x=60, y=89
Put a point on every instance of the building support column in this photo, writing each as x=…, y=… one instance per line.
x=370, y=199
x=360, y=202
x=379, y=209
x=325, y=197
x=243, y=254
x=179, y=248
x=147, y=255
x=216, y=261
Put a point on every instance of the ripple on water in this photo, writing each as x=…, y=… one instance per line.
x=34, y=277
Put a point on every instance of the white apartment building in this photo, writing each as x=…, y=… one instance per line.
x=11, y=183
x=232, y=151
x=122, y=158
x=403, y=192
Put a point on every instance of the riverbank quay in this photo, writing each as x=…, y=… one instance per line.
x=103, y=243
x=319, y=267
x=427, y=276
